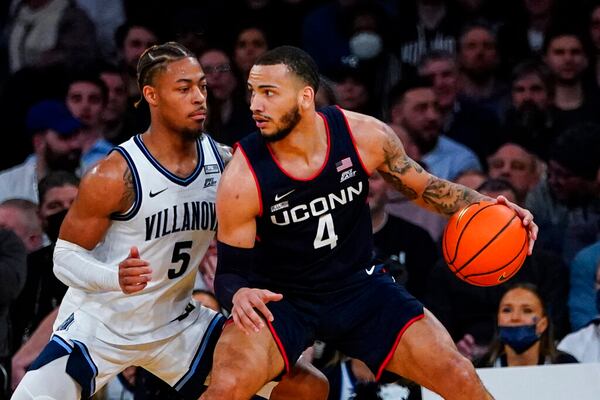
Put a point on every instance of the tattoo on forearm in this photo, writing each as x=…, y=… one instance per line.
x=399, y=164
x=447, y=197
x=129, y=192
x=397, y=183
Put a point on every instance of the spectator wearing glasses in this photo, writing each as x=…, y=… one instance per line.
x=566, y=204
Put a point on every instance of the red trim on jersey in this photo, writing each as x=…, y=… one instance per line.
x=354, y=142
x=310, y=178
x=286, y=361
x=260, y=202
x=228, y=322
x=387, y=360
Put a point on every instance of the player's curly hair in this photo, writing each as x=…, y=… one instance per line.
x=155, y=59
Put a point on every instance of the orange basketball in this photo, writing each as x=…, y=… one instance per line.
x=485, y=243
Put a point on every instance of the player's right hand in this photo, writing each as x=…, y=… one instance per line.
x=134, y=273
x=246, y=303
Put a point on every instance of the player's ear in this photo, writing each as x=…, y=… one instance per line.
x=150, y=95
x=307, y=97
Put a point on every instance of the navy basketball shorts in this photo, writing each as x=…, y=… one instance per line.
x=365, y=321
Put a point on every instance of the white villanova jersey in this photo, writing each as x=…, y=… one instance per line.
x=172, y=222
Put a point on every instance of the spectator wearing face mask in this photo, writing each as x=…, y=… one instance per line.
x=370, y=51
x=525, y=335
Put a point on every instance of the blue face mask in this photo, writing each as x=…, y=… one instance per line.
x=520, y=338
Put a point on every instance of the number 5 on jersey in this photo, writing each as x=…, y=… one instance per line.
x=180, y=254
x=325, y=232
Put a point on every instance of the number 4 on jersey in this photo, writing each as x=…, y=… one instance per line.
x=325, y=233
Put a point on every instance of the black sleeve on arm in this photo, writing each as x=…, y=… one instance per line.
x=233, y=268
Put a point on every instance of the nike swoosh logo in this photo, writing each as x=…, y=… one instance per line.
x=370, y=270
x=278, y=197
x=157, y=193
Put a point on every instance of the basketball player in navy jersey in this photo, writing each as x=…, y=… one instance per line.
x=129, y=247
x=294, y=243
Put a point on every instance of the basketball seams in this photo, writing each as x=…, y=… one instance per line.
x=462, y=231
x=466, y=264
x=503, y=266
x=490, y=248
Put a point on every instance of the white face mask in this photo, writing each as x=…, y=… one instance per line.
x=366, y=45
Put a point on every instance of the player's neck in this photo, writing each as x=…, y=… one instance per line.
x=308, y=138
x=163, y=142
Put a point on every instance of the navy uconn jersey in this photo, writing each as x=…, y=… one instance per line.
x=311, y=234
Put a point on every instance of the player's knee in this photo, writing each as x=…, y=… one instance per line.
x=460, y=371
x=227, y=387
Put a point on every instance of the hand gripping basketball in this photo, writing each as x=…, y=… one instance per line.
x=486, y=243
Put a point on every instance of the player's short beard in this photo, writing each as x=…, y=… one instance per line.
x=289, y=122
x=192, y=134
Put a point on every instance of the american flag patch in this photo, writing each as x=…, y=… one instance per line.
x=344, y=164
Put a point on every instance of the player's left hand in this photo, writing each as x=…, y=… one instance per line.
x=134, y=273
x=527, y=218
x=248, y=303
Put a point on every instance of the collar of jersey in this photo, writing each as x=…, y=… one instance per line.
x=168, y=174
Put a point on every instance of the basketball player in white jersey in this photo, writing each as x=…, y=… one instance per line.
x=129, y=247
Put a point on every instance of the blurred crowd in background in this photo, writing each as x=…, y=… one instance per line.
x=500, y=96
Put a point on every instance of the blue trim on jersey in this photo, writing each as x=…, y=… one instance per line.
x=137, y=185
x=56, y=348
x=170, y=176
x=82, y=373
x=200, y=371
x=216, y=151
x=63, y=343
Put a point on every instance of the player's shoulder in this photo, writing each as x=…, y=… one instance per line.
x=238, y=174
x=237, y=186
x=107, y=181
x=371, y=137
x=365, y=127
x=359, y=120
x=112, y=168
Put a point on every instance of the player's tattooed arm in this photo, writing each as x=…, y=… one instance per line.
x=225, y=152
x=128, y=196
x=410, y=179
x=447, y=197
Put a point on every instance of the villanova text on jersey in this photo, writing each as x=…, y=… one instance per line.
x=189, y=216
x=172, y=221
x=312, y=234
